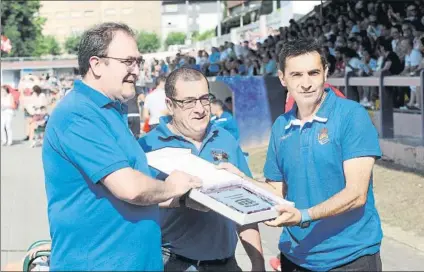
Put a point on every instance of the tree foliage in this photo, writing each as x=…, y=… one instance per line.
x=174, y=38
x=46, y=45
x=72, y=44
x=148, y=42
x=204, y=35
x=21, y=24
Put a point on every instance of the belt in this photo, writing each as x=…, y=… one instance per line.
x=200, y=263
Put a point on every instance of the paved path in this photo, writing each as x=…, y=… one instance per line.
x=24, y=214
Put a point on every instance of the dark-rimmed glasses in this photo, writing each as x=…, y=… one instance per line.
x=129, y=62
x=190, y=103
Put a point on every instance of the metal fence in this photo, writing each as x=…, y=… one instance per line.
x=385, y=95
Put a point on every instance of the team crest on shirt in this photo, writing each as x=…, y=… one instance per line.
x=323, y=136
x=220, y=155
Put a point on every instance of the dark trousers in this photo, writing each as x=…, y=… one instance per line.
x=364, y=263
x=134, y=125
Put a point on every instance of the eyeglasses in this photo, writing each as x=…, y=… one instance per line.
x=129, y=62
x=190, y=103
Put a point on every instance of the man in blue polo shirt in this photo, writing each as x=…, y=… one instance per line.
x=323, y=152
x=223, y=118
x=102, y=201
x=193, y=239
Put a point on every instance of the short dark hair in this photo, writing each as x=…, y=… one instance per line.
x=37, y=89
x=184, y=73
x=299, y=47
x=387, y=45
x=159, y=79
x=95, y=42
x=218, y=102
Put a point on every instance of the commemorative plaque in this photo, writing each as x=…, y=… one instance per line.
x=222, y=191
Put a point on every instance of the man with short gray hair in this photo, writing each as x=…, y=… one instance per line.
x=194, y=238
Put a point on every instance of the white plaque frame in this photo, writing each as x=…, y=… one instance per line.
x=169, y=159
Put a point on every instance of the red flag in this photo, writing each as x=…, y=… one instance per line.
x=6, y=45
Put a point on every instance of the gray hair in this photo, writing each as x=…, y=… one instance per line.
x=183, y=73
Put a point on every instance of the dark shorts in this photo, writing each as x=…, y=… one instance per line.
x=364, y=263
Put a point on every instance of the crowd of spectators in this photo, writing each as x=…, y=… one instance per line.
x=36, y=96
x=363, y=37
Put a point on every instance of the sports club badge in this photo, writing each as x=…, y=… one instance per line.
x=219, y=155
x=323, y=136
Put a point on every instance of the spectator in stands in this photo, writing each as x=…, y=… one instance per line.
x=269, y=64
x=413, y=59
x=331, y=60
x=396, y=35
x=38, y=125
x=36, y=100
x=8, y=107
x=154, y=104
x=223, y=118
x=391, y=62
x=407, y=30
x=229, y=104
x=417, y=32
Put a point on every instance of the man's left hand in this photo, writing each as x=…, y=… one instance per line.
x=289, y=216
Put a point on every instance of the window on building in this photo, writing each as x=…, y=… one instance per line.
x=127, y=10
x=88, y=13
x=60, y=15
x=60, y=31
x=76, y=30
x=76, y=14
x=110, y=12
x=171, y=8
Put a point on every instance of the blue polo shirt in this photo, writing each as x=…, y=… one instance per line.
x=87, y=138
x=310, y=160
x=227, y=122
x=187, y=232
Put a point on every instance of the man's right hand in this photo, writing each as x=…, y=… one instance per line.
x=180, y=183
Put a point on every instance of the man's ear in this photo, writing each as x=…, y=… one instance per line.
x=325, y=73
x=96, y=66
x=281, y=77
x=169, y=103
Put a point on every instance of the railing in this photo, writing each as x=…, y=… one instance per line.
x=386, y=97
x=61, y=57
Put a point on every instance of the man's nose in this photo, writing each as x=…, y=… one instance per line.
x=198, y=107
x=306, y=84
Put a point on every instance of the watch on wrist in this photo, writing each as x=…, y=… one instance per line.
x=305, y=220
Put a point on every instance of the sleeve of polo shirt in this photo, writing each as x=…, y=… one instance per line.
x=359, y=136
x=242, y=163
x=90, y=145
x=272, y=170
